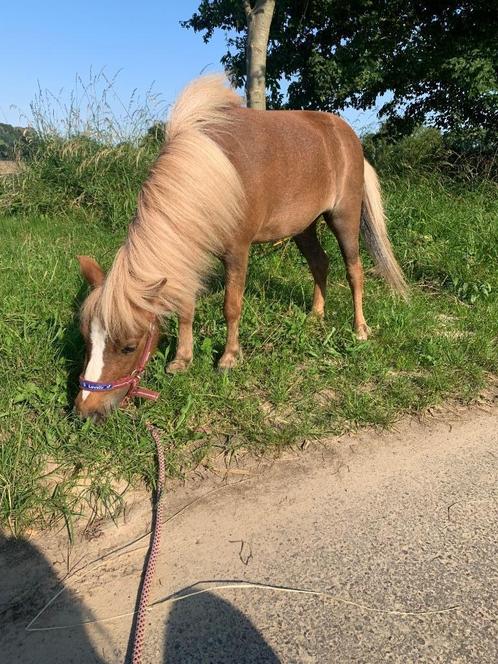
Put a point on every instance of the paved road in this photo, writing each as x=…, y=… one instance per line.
x=398, y=524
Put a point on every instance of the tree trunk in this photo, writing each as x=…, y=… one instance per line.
x=259, y=20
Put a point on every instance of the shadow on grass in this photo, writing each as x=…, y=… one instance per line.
x=207, y=628
x=263, y=280
x=28, y=583
x=71, y=347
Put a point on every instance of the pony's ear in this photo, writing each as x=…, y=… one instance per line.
x=154, y=296
x=153, y=292
x=156, y=291
x=91, y=270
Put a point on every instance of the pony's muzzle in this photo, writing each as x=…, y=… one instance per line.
x=96, y=407
x=96, y=417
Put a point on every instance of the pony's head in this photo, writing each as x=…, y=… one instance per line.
x=108, y=358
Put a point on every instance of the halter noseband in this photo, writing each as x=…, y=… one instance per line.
x=132, y=379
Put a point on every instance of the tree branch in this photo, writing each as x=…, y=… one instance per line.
x=248, y=10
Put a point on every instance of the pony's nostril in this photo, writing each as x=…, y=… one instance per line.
x=96, y=417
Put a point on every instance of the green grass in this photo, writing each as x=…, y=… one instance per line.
x=300, y=378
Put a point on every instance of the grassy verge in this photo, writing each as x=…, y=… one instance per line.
x=300, y=378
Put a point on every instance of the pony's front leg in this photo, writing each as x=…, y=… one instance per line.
x=184, y=349
x=235, y=279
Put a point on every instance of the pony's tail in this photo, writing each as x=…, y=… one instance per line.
x=374, y=231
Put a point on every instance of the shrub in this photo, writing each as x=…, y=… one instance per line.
x=64, y=175
x=420, y=151
x=83, y=156
x=462, y=155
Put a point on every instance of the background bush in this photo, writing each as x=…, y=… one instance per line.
x=80, y=155
x=469, y=155
x=65, y=175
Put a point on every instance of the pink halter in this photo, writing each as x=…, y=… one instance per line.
x=132, y=380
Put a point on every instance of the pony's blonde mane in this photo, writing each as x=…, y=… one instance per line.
x=187, y=207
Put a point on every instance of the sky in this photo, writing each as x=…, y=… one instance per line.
x=47, y=43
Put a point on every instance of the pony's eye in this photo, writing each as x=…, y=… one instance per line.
x=128, y=349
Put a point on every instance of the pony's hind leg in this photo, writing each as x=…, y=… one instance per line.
x=184, y=349
x=235, y=279
x=346, y=227
x=318, y=262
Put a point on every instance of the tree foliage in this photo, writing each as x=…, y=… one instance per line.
x=438, y=60
x=10, y=138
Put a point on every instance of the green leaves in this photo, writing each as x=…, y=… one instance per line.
x=28, y=393
x=471, y=291
x=438, y=60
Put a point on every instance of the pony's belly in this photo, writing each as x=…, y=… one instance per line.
x=287, y=223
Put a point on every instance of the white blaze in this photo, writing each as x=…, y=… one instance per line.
x=95, y=365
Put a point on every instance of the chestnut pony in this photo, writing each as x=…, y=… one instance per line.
x=226, y=177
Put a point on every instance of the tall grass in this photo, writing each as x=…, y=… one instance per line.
x=94, y=108
x=88, y=151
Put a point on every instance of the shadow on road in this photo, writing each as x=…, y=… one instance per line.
x=207, y=629
x=27, y=583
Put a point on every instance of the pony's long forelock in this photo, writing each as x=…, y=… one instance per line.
x=187, y=207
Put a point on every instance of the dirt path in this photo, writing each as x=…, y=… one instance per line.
x=8, y=167
x=396, y=524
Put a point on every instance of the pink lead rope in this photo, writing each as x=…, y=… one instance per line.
x=138, y=641
x=134, y=390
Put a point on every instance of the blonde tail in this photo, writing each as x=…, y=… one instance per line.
x=374, y=231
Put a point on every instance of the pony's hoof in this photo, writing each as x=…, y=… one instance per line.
x=178, y=366
x=362, y=333
x=229, y=360
x=317, y=314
